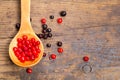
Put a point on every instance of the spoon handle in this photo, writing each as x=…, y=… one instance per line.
x=25, y=16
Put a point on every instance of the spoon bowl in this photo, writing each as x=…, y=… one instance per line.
x=27, y=30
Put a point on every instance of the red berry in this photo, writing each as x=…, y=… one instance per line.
x=17, y=53
x=44, y=54
x=19, y=45
x=38, y=50
x=23, y=42
x=19, y=40
x=34, y=52
x=27, y=58
x=59, y=20
x=37, y=42
x=53, y=56
x=32, y=57
x=29, y=70
x=23, y=54
x=25, y=48
x=29, y=50
x=43, y=20
x=37, y=47
x=34, y=44
x=33, y=48
x=29, y=45
x=19, y=56
x=29, y=54
x=22, y=59
x=32, y=40
x=36, y=55
x=15, y=49
x=24, y=37
x=27, y=42
x=60, y=50
x=20, y=50
x=86, y=58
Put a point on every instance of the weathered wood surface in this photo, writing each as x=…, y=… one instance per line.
x=91, y=27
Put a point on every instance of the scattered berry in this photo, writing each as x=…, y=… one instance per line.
x=48, y=45
x=44, y=31
x=51, y=17
x=40, y=35
x=43, y=21
x=44, y=54
x=63, y=13
x=59, y=20
x=17, y=26
x=50, y=35
x=53, y=56
x=29, y=70
x=45, y=36
x=30, y=19
x=49, y=30
x=60, y=50
x=86, y=58
x=59, y=43
x=44, y=26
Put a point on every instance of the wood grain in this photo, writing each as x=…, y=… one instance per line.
x=91, y=27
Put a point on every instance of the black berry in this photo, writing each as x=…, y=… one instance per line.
x=45, y=36
x=63, y=13
x=48, y=45
x=50, y=35
x=40, y=35
x=30, y=19
x=49, y=30
x=44, y=31
x=37, y=34
x=17, y=26
x=59, y=43
x=51, y=17
x=44, y=26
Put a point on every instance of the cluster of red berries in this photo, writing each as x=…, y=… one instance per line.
x=27, y=49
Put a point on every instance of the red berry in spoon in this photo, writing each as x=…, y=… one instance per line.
x=19, y=40
x=27, y=49
x=15, y=49
x=24, y=37
x=22, y=59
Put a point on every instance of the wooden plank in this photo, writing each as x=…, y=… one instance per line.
x=91, y=27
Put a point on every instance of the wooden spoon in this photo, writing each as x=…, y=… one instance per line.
x=25, y=29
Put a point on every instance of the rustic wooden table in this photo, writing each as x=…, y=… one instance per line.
x=91, y=27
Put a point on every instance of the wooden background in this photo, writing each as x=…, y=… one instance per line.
x=91, y=27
